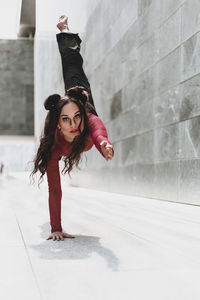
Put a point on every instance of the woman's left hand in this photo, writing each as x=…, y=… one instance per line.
x=107, y=150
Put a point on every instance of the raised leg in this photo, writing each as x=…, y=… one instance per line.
x=72, y=61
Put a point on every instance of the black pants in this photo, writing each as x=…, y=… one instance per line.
x=72, y=64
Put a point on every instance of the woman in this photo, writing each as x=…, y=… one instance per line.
x=71, y=127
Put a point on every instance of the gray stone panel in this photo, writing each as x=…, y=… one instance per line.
x=116, y=105
x=16, y=55
x=148, y=22
x=168, y=35
x=123, y=176
x=189, y=191
x=143, y=6
x=191, y=57
x=168, y=71
x=167, y=107
x=144, y=179
x=128, y=151
x=190, y=101
x=166, y=180
x=190, y=18
x=124, y=68
x=129, y=99
x=145, y=147
x=189, y=138
x=168, y=8
x=166, y=143
x=16, y=87
x=144, y=117
x=122, y=127
x=163, y=75
x=145, y=86
x=146, y=54
x=122, y=150
x=109, y=37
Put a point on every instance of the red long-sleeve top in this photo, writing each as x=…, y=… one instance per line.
x=98, y=133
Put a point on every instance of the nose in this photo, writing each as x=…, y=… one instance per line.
x=73, y=124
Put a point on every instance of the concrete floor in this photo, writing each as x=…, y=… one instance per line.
x=125, y=247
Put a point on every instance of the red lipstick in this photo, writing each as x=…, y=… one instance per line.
x=73, y=131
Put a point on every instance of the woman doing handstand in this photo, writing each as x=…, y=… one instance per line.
x=72, y=126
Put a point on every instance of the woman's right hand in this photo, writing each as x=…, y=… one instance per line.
x=107, y=150
x=58, y=235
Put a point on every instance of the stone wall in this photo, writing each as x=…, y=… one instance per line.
x=142, y=59
x=16, y=87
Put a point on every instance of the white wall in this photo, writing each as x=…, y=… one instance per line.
x=9, y=18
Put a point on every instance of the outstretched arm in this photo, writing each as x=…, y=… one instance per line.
x=99, y=136
x=55, y=193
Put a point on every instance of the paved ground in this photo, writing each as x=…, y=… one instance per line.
x=125, y=247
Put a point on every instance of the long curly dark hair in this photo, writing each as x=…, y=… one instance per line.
x=54, y=103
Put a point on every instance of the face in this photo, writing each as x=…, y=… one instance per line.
x=70, y=118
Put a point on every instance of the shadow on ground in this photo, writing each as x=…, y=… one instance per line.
x=81, y=247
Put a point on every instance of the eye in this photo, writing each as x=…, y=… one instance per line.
x=65, y=119
x=77, y=116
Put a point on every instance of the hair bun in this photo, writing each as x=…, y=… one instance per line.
x=79, y=93
x=51, y=102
